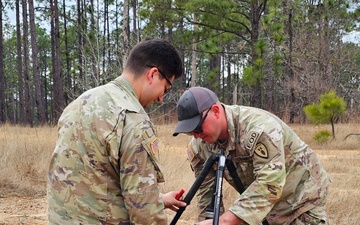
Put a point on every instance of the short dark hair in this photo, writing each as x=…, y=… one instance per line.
x=155, y=52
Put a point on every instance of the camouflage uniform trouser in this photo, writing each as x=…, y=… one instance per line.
x=315, y=216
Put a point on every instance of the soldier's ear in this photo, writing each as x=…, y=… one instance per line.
x=150, y=75
x=216, y=110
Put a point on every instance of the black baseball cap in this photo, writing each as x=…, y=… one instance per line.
x=190, y=107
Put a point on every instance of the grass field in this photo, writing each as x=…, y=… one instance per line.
x=25, y=154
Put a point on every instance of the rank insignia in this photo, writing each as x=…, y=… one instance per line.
x=261, y=151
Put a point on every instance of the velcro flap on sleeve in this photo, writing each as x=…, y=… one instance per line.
x=150, y=144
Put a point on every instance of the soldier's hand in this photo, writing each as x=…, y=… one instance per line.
x=205, y=222
x=227, y=218
x=171, y=202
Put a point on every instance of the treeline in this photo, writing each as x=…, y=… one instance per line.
x=271, y=54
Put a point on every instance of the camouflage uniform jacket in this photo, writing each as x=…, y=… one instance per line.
x=282, y=175
x=104, y=168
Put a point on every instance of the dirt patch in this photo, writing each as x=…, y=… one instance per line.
x=16, y=210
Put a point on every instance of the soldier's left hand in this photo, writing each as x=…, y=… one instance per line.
x=171, y=202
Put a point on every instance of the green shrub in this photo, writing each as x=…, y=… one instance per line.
x=327, y=110
x=322, y=136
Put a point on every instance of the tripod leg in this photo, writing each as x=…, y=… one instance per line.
x=204, y=172
x=209, y=211
x=218, y=189
x=232, y=170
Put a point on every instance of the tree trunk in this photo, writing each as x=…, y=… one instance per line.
x=214, y=68
x=229, y=80
x=257, y=8
x=135, y=37
x=193, y=55
x=2, y=74
x=67, y=59
x=58, y=91
x=108, y=35
x=80, y=24
x=183, y=80
x=37, y=81
x=105, y=36
x=21, y=108
x=126, y=31
x=94, y=34
x=288, y=70
x=28, y=103
x=117, y=37
x=333, y=127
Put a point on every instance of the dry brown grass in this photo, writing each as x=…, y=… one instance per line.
x=25, y=153
x=24, y=158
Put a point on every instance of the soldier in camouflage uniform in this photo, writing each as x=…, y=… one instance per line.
x=104, y=169
x=284, y=180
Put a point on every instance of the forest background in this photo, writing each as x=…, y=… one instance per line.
x=275, y=55
x=279, y=55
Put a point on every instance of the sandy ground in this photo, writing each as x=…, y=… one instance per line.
x=33, y=211
x=30, y=208
x=23, y=210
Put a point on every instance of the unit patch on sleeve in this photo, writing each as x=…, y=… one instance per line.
x=252, y=140
x=261, y=151
x=154, y=146
x=190, y=153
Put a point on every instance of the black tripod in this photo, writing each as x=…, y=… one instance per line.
x=222, y=162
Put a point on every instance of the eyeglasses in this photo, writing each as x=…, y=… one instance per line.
x=167, y=89
x=198, y=129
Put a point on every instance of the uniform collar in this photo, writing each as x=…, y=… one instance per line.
x=126, y=86
x=123, y=82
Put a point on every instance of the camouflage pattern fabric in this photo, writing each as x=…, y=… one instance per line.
x=104, y=169
x=282, y=175
x=315, y=216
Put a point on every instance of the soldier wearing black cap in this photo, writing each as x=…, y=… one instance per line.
x=284, y=180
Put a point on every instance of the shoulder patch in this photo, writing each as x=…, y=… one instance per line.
x=261, y=151
x=190, y=153
x=154, y=145
x=252, y=140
